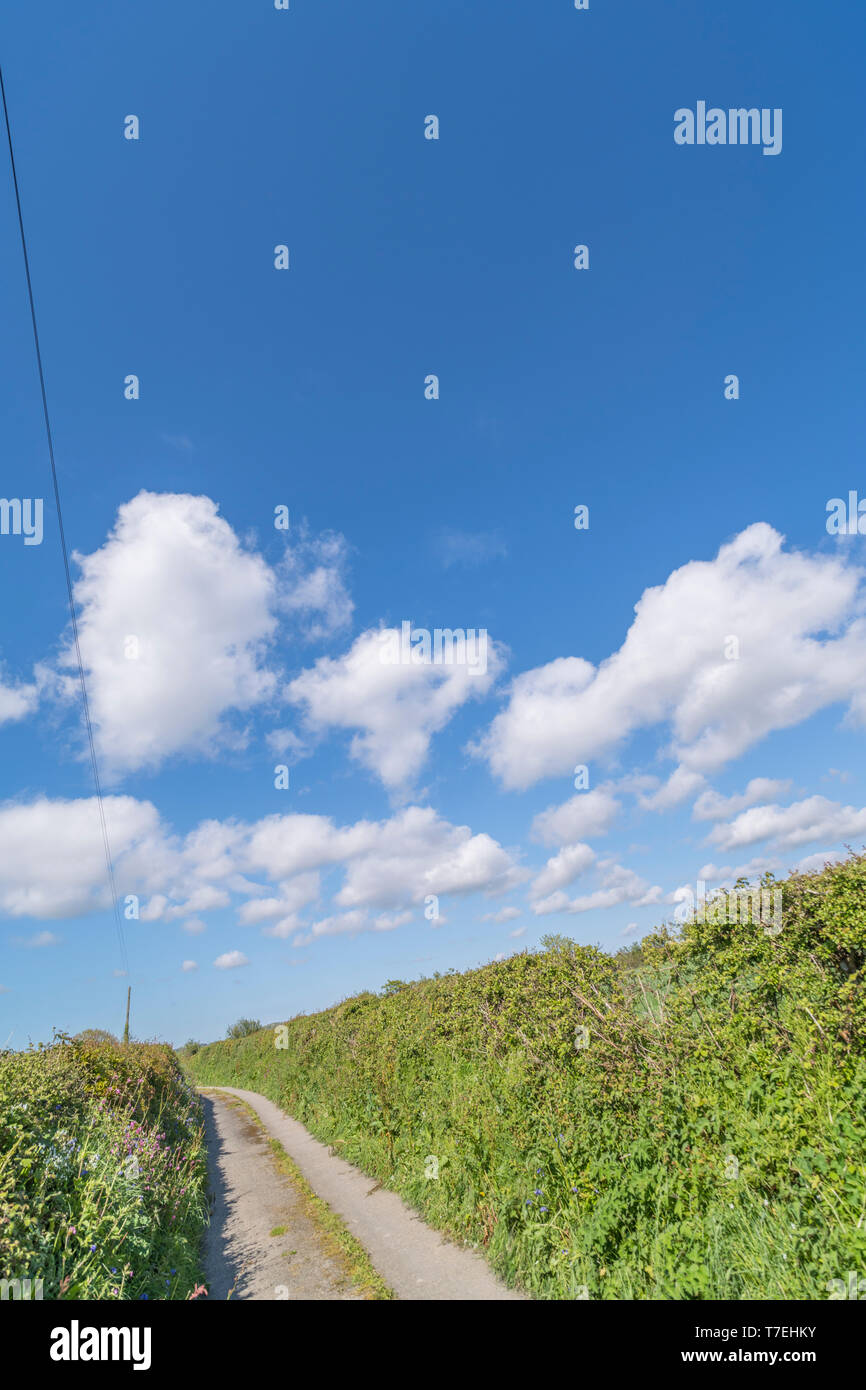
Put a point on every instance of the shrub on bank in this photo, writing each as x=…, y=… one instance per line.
x=102, y=1171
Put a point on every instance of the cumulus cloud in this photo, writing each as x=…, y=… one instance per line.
x=562, y=870
x=789, y=827
x=189, y=965
x=814, y=863
x=681, y=784
x=802, y=646
x=710, y=805
x=17, y=701
x=395, y=708
x=351, y=924
x=174, y=620
x=618, y=885
x=505, y=914
x=177, y=624
x=387, y=868
x=729, y=873
x=295, y=893
x=230, y=960
x=52, y=855
x=584, y=816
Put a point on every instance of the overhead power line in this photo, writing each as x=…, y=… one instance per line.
x=93, y=759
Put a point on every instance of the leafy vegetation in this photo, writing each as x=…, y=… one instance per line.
x=102, y=1171
x=243, y=1028
x=683, y=1121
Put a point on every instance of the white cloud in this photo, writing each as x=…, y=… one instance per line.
x=789, y=827
x=230, y=960
x=154, y=908
x=17, y=701
x=814, y=863
x=349, y=924
x=285, y=743
x=619, y=885
x=52, y=855
x=205, y=899
x=802, y=647
x=189, y=965
x=728, y=873
x=172, y=577
x=681, y=784
x=396, y=708
x=313, y=587
x=712, y=806
x=562, y=869
x=416, y=854
x=295, y=893
x=194, y=927
x=389, y=921
x=284, y=927
x=387, y=867
x=585, y=815
x=505, y=914
x=388, y=864
x=176, y=621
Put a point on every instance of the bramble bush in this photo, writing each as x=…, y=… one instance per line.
x=103, y=1189
x=684, y=1122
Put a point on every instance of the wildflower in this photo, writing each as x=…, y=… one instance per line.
x=92, y=1248
x=538, y=1192
x=542, y=1208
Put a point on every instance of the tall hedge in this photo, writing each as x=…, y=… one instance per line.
x=691, y=1127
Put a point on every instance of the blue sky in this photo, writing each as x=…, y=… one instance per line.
x=306, y=388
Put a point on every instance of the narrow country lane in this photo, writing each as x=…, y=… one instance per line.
x=253, y=1197
x=251, y=1200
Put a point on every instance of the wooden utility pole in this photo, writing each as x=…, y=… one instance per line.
x=126, y=1029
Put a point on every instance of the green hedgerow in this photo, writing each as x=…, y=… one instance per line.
x=683, y=1121
x=102, y=1171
